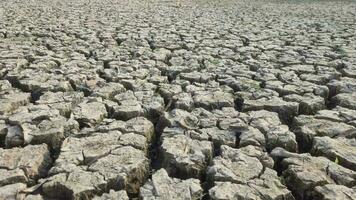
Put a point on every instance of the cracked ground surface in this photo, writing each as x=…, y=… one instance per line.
x=177, y=100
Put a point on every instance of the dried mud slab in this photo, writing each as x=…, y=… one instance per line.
x=161, y=186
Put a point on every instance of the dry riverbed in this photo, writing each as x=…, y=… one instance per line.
x=177, y=100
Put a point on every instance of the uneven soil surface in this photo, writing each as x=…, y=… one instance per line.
x=177, y=100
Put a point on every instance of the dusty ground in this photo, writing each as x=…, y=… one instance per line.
x=173, y=100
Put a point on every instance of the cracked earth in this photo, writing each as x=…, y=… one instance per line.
x=177, y=100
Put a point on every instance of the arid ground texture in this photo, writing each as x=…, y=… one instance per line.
x=177, y=100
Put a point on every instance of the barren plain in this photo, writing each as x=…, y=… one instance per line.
x=177, y=100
